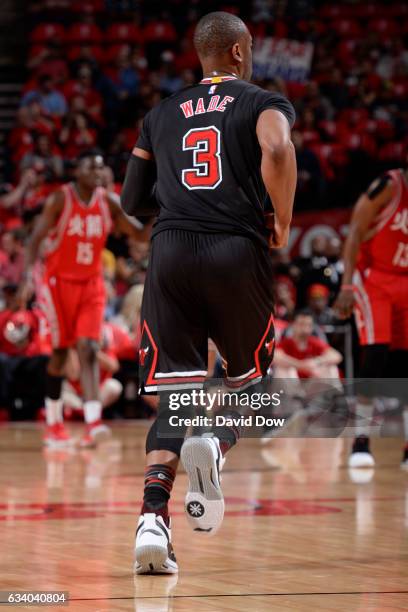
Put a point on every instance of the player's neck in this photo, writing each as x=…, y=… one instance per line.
x=85, y=194
x=211, y=70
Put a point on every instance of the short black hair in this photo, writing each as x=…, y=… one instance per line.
x=89, y=153
x=303, y=312
x=217, y=32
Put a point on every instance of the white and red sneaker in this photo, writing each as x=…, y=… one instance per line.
x=154, y=552
x=95, y=433
x=56, y=436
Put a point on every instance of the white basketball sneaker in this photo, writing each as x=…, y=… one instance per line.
x=204, y=502
x=153, y=549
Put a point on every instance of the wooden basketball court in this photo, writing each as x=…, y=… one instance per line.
x=298, y=534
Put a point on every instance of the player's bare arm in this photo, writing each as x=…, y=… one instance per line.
x=278, y=168
x=127, y=225
x=47, y=220
x=137, y=193
x=378, y=195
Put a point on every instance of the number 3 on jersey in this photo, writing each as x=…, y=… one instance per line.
x=206, y=172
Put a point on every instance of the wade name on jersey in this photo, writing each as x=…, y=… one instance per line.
x=214, y=105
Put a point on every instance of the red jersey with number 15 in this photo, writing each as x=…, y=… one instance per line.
x=386, y=247
x=74, y=246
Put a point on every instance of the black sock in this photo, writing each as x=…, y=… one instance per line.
x=159, y=480
x=227, y=435
x=53, y=386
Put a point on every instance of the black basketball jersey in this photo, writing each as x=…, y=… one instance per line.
x=208, y=159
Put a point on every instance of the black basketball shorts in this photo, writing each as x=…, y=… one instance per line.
x=200, y=286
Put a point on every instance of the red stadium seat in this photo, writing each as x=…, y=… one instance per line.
x=353, y=140
x=331, y=156
x=310, y=137
x=330, y=129
x=367, y=126
x=385, y=27
x=85, y=52
x=48, y=32
x=397, y=9
x=35, y=50
x=400, y=87
x=385, y=129
x=88, y=6
x=160, y=31
x=353, y=115
x=394, y=152
x=367, y=10
x=346, y=28
x=334, y=11
x=84, y=32
x=124, y=33
x=111, y=54
x=295, y=90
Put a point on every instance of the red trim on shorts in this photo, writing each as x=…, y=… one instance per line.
x=262, y=342
x=236, y=384
x=151, y=380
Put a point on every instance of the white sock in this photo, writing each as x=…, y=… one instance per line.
x=53, y=411
x=363, y=418
x=405, y=421
x=92, y=411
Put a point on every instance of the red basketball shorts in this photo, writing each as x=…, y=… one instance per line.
x=382, y=308
x=74, y=309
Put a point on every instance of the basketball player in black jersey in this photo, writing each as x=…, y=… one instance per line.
x=207, y=157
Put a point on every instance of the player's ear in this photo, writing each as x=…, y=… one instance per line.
x=237, y=53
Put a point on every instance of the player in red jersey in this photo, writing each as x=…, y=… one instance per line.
x=375, y=284
x=76, y=221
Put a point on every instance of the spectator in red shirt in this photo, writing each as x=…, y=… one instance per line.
x=12, y=257
x=303, y=355
x=76, y=136
x=23, y=357
x=82, y=87
x=50, y=61
x=20, y=333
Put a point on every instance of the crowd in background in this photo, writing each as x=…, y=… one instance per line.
x=94, y=68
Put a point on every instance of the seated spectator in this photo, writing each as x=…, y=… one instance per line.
x=109, y=181
x=310, y=184
x=170, y=79
x=12, y=198
x=38, y=189
x=82, y=87
x=30, y=120
x=318, y=303
x=303, y=355
x=129, y=316
x=110, y=388
x=12, y=257
x=50, y=60
x=50, y=99
x=317, y=268
x=76, y=136
x=285, y=297
x=124, y=76
x=23, y=358
x=47, y=155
